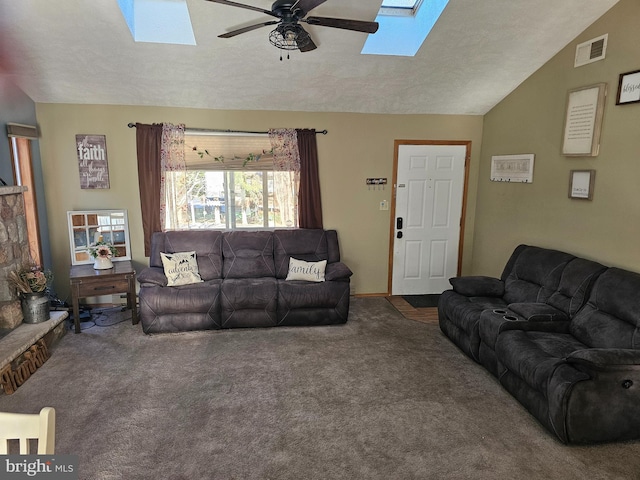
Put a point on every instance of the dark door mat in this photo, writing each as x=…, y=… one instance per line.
x=422, y=301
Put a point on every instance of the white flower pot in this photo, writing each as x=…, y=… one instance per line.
x=102, y=263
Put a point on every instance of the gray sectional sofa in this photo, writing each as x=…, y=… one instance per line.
x=244, y=281
x=562, y=335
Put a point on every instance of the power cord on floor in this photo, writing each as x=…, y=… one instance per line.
x=103, y=317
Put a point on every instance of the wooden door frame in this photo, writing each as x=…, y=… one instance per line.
x=463, y=213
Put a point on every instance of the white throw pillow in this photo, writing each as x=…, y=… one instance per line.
x=309, y=271
x=180, y=268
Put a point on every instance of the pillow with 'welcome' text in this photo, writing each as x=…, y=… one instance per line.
x=309, y=271
x=180, y=268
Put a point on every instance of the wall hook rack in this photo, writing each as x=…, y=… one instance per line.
x=377, y=183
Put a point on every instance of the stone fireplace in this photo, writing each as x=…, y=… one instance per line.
x=14, y=251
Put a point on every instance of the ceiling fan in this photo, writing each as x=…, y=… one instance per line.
x=288, y=33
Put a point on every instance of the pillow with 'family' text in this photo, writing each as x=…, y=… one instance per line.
x=309, y=271
x=180, y=268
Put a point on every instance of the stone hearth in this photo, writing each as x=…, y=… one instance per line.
x=14, y=251
x=21, y=338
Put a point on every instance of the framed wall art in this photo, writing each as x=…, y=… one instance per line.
x=583, y=121
x=629, y=88
x=512, y=168
x=92, y=161
x=581, y=184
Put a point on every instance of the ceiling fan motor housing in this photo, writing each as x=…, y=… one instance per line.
x=285, y=10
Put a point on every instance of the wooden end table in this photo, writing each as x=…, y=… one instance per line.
x=88, y=282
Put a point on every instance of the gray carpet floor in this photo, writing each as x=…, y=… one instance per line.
x=381, y=397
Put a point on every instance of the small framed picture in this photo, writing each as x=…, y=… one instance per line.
x=629, y=88
x=581, y=184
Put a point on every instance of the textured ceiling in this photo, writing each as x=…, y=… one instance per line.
x=81, y=51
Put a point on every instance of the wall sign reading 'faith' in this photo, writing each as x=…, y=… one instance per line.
x=92, y=161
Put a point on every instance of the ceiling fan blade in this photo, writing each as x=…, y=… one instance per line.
x=345, y=24
x=247, y=29
x=242, y=5
x=305, y=43
x=307, y=5
x=309, y=46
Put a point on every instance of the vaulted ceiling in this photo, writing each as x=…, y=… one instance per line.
x=81, y=51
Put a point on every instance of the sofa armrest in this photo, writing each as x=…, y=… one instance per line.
x=605, y=358
x=538, y=312
x=478, y=286
x=337, y=271
x=151, y=276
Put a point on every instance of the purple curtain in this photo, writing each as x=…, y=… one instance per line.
x=149, y=142
x=309, y=201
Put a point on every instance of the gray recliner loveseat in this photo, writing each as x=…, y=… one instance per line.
x=562, y=335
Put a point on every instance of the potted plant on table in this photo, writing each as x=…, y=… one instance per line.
x=31, y=283
x=102, y=252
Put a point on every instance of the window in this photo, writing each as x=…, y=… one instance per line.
x=231, y=183
x=404, y=26
x=399, y=7
x=20, y=137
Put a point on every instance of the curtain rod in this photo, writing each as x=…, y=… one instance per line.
x=132, y=125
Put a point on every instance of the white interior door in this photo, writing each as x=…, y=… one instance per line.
x=428, y=209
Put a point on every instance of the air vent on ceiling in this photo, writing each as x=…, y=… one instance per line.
x=591, y=51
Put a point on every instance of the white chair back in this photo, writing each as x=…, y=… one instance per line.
x=26, y=426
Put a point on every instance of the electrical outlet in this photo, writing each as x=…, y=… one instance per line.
x=384, y=205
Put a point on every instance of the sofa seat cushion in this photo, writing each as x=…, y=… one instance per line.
x=534, y=356
x=327, y=299
x=195, y=297
x=185, y=307
x=249, y=302
x=247, y=254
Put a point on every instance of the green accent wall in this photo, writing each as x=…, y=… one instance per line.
x=358, y=146
x=530, y=120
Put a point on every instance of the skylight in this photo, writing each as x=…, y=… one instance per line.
x=158, y=21
x=404, y=25
x=399, y=7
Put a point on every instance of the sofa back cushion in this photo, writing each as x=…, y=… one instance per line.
x=534, y=274
x=310, y=245
x=575, y=285
x=611, y=316
x=247, y=254
x=206, y=243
